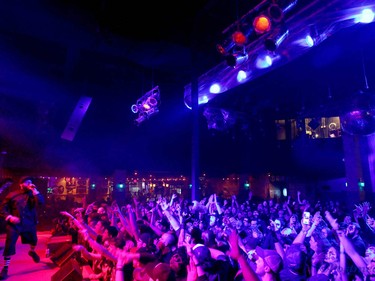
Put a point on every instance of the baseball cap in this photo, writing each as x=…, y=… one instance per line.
x=271, y=258
x=202, y=253
x=26, y=178
x=296, y=256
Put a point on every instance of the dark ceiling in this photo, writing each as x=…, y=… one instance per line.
x=54, y=52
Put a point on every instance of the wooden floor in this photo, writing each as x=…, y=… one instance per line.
x=23, y=268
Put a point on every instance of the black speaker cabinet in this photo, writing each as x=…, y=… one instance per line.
x=62, y=255
x=55, y=243
x=70, y=271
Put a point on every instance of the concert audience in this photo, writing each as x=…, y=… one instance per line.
x=214, y=239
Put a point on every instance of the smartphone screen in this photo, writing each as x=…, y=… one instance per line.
x=306, y=218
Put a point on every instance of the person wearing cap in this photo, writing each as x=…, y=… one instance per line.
x=295, y=258
x=268, y=264
x=19, y=211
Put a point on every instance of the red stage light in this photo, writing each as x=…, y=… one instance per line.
x=262, y=24
x=239, y=38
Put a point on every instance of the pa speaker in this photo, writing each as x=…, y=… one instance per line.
x=70, y=271
x=62, y=255
x=56, y=243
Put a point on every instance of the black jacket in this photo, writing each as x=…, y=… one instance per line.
x=21, y=204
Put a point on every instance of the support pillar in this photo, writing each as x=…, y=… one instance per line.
x=359, y=154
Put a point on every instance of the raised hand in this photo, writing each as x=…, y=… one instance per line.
x=234, y=251
x=317, y=218
x=164, y=206
x=65, y=213
x=14, y=220
x=366, y=206
x=332, y=221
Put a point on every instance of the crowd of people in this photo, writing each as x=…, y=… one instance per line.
x=169, y=239
x=215, y=239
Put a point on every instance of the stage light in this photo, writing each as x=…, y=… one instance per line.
x=203, y=99
x=275, y=12
x=366, y=16
x=273, y=42
x=150, y=103
x=314, y=37
x=215, y=88
x=263, y=61
x=236, y=39
x=147, y=105
x=239, y=38
x=237, y=57
x=224, y=48
x=262, y=24
x=241, y=76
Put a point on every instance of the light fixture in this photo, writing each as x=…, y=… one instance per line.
x=276, y=11
x=273, y=42
x=263, y=61
x=237, y=39
x=242, y=76
x=262, y=24
x=147, y=105
x=237, y=56
x=314, y=36
x=366, y=16
x=234, y=51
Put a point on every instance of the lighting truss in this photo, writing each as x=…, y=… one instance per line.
x=327, y=16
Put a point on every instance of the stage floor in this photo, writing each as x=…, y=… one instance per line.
x=22, y=267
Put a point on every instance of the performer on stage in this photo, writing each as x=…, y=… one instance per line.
x=19, y=211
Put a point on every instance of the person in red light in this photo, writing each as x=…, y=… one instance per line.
x=19, y=211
